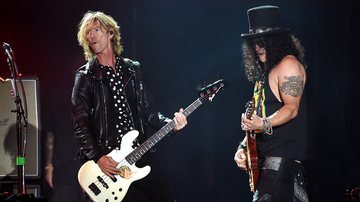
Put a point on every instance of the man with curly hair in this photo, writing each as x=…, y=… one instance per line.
x=274, y=62
x=109, y=99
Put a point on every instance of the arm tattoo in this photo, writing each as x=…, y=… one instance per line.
x=294, y=86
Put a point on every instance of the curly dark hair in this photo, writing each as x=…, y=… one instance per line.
x=277, y=47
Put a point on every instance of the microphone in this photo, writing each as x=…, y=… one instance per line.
x=9, y=53
x=8, y=50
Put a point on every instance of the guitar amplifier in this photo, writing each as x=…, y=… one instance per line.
x=8, y=130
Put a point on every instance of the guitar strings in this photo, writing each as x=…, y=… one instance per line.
x=106, y=178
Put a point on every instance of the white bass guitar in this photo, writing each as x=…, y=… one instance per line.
x=101, y=187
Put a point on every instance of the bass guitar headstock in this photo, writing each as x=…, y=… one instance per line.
x=208, y=92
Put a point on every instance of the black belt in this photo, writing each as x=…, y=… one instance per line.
x=273, y=163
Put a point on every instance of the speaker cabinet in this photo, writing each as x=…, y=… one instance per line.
x=8, y=131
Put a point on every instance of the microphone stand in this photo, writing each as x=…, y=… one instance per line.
x=21, y=121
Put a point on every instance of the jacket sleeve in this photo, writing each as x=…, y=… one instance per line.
x=82, y=110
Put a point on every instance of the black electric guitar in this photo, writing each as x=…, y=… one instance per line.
x=100, y=187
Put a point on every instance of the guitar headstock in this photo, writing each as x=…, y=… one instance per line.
x=208, y=92
x=353, y=194
x=249, y=109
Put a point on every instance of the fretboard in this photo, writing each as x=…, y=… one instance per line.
x=135, y=155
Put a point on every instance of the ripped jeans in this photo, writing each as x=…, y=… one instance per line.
x=281, y=180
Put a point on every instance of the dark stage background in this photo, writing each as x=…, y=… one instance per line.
x=180, y=44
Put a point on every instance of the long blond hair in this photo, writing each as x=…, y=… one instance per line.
x=106, y=22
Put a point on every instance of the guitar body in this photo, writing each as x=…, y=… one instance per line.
x=99, y=186
x=252, y=161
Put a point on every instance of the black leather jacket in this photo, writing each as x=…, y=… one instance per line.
x=93, y=108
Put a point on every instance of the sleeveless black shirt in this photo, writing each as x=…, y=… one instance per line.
x=288, y=140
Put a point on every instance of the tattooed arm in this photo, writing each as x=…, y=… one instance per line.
x=291, y=77
x=287, y=81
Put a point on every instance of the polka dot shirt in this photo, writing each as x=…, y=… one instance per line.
x=124, y=122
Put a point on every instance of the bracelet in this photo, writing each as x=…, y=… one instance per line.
x=267, y=128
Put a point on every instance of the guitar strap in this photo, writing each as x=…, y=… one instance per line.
x=259, y=98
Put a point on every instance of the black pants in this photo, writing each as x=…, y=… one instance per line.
x=152, y=188
x=281, y=180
